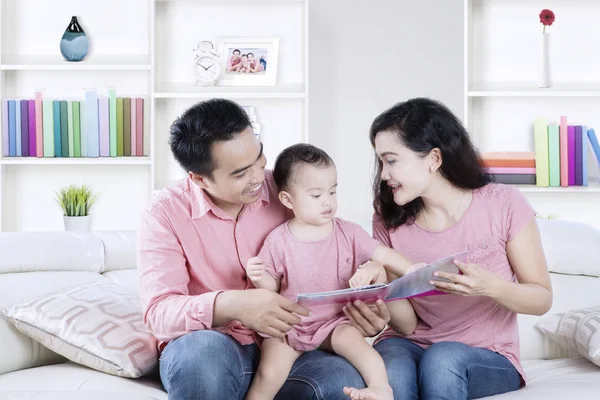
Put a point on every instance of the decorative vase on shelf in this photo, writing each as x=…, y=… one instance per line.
x=77, y=224
x=74, y=42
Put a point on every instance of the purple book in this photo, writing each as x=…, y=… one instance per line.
x=571, y=153
x=32, y=126
x=578, y=156
x=4, y=128
x=24, y=128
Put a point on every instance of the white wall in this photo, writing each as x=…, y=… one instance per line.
x=365, y=56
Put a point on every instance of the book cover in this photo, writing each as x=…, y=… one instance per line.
x=146, y=127
x=554, y=154
x=76, y=129
x=12, y=128
x=564, y=152
x=540, y=131
x=57, y=121
x=104, y=126
x=70, y=128
x=32, y=128
x=414, y=284
x=91, y=125
x=126, y=126
x=578, y=156
x=112, y=98
x=24, y=128
x=514, y=179
x=133, y=127
x=39, y=125
x=5, y=128
x=571, y=153
x=48, y=128
x=584, y=156
x=18, y=127
x=119, y=126
x=139, y=106
x=64, y=128
x=594, y=144
x=508, y=159
x=83, y=138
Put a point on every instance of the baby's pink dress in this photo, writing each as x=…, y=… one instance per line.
x=316, y=266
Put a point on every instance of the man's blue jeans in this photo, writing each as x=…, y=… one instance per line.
x=212, y=365
x=446, y=370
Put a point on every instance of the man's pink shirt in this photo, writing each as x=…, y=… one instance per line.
x=189, y=251
x=496, y=214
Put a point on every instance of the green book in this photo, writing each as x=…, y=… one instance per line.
x=540, y=139
x=48, y=127
x=554, y=154
x=64, y=129
x=112, y=117
x=119, y=126
x=82, y=129
x=76, y=130
x=127, y=126
x=70, y=128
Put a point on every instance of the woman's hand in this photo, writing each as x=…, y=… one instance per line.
x=474, y=281
x=369, y=319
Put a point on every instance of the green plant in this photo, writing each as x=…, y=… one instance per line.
x=75, y=201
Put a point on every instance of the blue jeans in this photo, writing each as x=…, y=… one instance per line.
x=211, y=365
x=445, y=370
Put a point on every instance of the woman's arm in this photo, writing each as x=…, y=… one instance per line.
x=533, y=292
x=395, y=264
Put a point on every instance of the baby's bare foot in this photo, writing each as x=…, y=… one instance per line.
x=370, y=393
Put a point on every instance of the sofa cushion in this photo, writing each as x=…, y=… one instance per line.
x=70, y=381
x=576, y=330
x=98, y=325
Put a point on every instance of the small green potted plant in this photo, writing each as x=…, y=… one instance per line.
x=75, y=202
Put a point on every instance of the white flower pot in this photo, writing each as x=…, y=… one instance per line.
x=544, y=73
x=77, y=224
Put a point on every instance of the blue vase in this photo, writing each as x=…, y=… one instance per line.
x=74, y=43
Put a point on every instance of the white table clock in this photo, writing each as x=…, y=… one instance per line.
x=206, y=67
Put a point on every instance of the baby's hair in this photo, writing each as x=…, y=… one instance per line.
x=290, y=157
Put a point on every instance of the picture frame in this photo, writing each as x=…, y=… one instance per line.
x=249, y=61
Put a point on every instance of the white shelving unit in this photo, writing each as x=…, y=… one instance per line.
x=149, y=55
x=501, y=96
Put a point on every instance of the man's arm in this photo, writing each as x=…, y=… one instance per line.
x=169, y=310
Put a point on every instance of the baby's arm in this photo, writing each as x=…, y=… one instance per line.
x=395, y=264
x=256, y=271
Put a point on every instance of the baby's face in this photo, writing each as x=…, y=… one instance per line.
x=313, y=193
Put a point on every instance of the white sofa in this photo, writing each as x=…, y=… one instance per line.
x=35, y=264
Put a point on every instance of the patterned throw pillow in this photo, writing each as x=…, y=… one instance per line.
x=97, y=325
x=577, y=330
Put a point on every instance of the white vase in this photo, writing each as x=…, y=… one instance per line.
x=544, y=73
x=77, y=224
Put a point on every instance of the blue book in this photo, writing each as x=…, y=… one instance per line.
x=24, y=128
x=584, y=158
x=12, y=129
x=56, y=113
x=18, y=126
x=91, y=126
x=593, y=143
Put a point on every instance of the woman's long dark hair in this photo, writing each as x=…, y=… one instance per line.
x=423, y=124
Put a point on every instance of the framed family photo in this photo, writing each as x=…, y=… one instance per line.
x=249, y=61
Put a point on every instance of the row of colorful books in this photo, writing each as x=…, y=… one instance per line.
x=96, y=126
x=561, y=152
x=510, y=167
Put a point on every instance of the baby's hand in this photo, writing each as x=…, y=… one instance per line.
x=367, y=274
x=255, y=269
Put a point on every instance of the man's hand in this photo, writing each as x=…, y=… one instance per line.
x=368, y=273
x=255, y=269
x=368, y=319
x=261, y=310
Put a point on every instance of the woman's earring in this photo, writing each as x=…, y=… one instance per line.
x=431, y=168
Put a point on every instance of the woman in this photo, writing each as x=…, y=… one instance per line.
x=432, y=200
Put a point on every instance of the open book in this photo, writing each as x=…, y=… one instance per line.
x=413, y=284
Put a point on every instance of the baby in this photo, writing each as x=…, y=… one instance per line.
x=315, y=252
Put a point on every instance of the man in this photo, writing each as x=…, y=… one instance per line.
x=194, y=241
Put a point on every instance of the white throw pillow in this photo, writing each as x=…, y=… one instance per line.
x=577, y=330
x=98, y=325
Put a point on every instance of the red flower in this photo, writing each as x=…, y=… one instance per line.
x=546, y=17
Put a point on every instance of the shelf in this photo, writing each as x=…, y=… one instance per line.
x=230, y=1
x=133, y=160
x=187, y=90
x=530, y=89
x=57, y=63
x=593, y=187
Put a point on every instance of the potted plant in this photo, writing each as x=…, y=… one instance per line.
x=75, y=203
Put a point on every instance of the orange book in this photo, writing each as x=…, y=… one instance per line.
x=520, y=159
